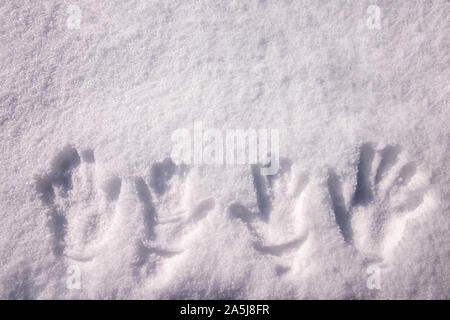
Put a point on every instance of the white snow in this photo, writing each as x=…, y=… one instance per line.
x=91, y=92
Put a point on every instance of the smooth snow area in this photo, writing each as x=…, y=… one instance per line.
x=93, y=207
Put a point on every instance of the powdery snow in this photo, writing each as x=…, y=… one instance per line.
x=93, y=207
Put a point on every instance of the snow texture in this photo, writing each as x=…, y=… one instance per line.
x=92, y=90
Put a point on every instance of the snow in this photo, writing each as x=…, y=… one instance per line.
x=92, y=92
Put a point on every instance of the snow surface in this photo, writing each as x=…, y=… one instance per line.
x=87, y=114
